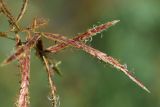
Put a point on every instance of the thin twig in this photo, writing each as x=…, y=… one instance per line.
x=8, y=14
x=51, y=84
x=23, y=10
x=6, y=10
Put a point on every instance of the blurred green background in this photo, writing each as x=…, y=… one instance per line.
x=87, y=82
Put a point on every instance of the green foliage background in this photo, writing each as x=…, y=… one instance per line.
x=87, y=82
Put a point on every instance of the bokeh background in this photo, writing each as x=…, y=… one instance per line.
x=87, y=82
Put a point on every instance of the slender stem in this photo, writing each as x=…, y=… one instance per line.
x=8, y=14
x=51, y=84
x=23, y=10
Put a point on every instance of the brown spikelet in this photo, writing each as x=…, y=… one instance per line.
x=24, y=63
x=37, y=23
x=22, y=49
x=83, y=36
x=108, y=59
x=96, y=53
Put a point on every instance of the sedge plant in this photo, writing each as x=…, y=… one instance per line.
x=34, y=41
